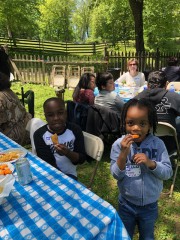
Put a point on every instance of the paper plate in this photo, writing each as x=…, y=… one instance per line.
x=12, y=155
x=6, y=185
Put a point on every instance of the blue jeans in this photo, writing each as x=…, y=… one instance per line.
x=142, y=216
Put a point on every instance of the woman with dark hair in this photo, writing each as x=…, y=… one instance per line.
x=132, y=78
x=4, y=62
x=13, y=115
x=84, y=91
x=107, y=97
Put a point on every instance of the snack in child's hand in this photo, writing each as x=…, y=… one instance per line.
x=54, y=138
x=135, y=136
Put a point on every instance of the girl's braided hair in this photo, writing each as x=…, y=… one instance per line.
x=152, y=115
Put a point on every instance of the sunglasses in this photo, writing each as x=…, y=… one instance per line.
x=132, y=64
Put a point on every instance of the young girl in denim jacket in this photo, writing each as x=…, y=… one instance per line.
x=140, y=163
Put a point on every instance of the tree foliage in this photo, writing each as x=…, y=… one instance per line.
x=161, y=23
x=152, y=23
x=112, y=21
x=81, y=20
x=55, y=22
x=18, y=18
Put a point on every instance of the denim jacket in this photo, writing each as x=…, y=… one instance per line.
x=147, y=186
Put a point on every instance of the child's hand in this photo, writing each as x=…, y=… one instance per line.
x=61, y=149
x=142, y=158
x=125, y=148
x=126, y=143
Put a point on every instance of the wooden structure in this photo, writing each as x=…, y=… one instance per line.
x=50, y=70
x=73, y=76
x=58, y=76
x=38, y=68
x=89, y=69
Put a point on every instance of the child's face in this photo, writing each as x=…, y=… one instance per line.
x=55, y=116
x=109, y=85
x=137, y=122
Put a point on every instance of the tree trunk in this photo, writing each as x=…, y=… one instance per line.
x=137, y=11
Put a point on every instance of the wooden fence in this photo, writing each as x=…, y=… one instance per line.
x=147, y=60
x=45, y=47
x=36, y=65
x=38, y=69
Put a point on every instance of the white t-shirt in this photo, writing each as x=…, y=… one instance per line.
x=127, y=80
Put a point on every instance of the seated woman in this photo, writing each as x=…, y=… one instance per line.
x=84, y=91
x=107, y=97
x=14, y=117
x=132, y=78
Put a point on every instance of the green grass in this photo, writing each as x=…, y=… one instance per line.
x=168, y=224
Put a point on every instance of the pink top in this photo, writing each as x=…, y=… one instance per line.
x=85, y=96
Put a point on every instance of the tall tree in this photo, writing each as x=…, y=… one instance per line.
x=111, y=21
x=81, y=20
x=55, y=23
x=161, y=28
x=18, y=18
x=137, y=11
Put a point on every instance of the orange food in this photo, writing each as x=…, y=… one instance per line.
x=54, y=138
x=4, y=169
x=3, y=166
x=135, y=136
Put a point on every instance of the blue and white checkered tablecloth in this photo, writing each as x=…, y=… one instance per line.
x=54, y=206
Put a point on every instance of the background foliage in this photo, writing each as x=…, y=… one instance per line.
x=91, y=20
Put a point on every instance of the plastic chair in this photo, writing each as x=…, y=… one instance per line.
x=166, y=129
x=94, y=148
x=28, y=97
x=176, y=86
x=58, y=75
x=32, y=126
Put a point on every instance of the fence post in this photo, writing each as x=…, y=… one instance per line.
x=157, y=59
x=94, y=48
x=43, y=71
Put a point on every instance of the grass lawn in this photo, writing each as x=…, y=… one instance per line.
x=168, y=224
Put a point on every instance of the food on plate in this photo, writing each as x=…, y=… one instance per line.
x=9, y=156
x=135, y=136
x=4, y=169
x=1, y=189
x=54, y=138
x=122, y=92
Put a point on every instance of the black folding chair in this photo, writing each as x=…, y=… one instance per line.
x=28, y=98
x=103, y=122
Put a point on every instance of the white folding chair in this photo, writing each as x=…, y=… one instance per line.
x=32, y=126
x=166, y=129
x=94, y=148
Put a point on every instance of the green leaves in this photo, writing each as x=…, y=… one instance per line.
x=91, y=20
x=19, y=18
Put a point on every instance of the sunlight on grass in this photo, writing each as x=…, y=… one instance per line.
x=168, y=224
